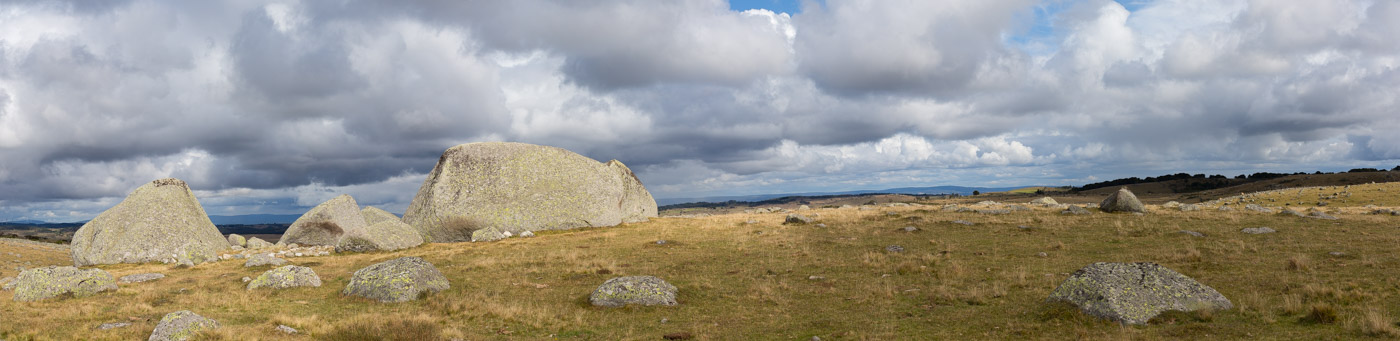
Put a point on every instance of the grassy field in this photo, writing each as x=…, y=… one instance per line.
x=765, y=280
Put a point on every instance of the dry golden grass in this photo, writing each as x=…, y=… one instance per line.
x=773, y=281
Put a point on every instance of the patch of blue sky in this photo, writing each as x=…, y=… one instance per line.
x=777, y=6
x=1038, y=35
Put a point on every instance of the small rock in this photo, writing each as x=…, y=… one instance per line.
x=640, y=290
x=114, y=325
x=664, y=320
x=507, y=234
x=289, y=276
x=795, y=218
x=262, y=259
x=1257, y=230
x=138, y=278
x=661, y=242
x=285, y=329
x=803, y=208
x=1042, y=254
x=908, y=229
x=1072, y=209
x=527, y=234
x=1024, y=227
x=894, y=249
x=815, y=278
x=963, y=222
x=1320, y=215
x=820, y=225
x=247, y=279
x=1192, y=233
x=181, y=325
x=1336, y=253
x=7, y=283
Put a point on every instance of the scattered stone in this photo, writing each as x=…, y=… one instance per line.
x=820, y=225
x=1321, y=215
x=7, y=283
x=507, y=234
x=138, y=278
x=963, y=222
x=474, y=185
x=161, y=220
x=1171, y=204
x=1192, y=233
x=247, y=279
x=1257, y=230
x=1018, y=208
x=1076, y=210
x=1336, y=253
x=399, y=280
x=1122, y=201
x=908, y=229
x=257, y=243
x=54, y=281
x=994, y=211
x=289, y=276
x=1262, y=209
x=181, y=325
x=489, y=234
x=677, y=336
x=285, y=329
x=661, y=242
x=1024, y=227
x=846, y=207
x=237, y=240
x=1190, y=207
x=527, y=234
x=1042, y=254
x=803, y=208
x=815, y=278
x=1225, y=209
x=640, y=290
x=894, y=249
x=262, y=259
x=797, y=219
x=113, y=325
x=988, y=203
x=1045, y=201
x=1133, y=293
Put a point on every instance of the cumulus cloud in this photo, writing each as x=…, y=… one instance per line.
x=271, y=106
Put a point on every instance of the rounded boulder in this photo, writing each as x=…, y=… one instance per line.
x=55, y=281
x=1122, y=201
x=181, y=325
x=517, y=187
x=640, y=290
x=1133, y=293
x=399, y=280
x=289, y=276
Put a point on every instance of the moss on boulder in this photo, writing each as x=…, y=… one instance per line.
x=181, y=325
x=1133, y=293
x=640, y=290
x=55, y=281
x=289, y=276
x=517, y=187
x=398, y=280
x=160, y=221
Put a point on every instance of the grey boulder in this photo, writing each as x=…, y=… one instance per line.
x=289, y=276
x=341, y=223
x=639, y=290
x=1122, y=201
x=258, y=243
x=795, y=219
x=262, y=259
x=489, y=234
x=1133, y=293
x=517, y=187
x=138, y=278
x=160, y=221
x=181, y=325
x=54, y=281
x=1076, y=210
x=1257, y=230
x=399, y=280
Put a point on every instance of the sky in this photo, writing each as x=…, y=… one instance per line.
x=271, y=107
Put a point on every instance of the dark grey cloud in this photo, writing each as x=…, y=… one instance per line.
x=269, y=107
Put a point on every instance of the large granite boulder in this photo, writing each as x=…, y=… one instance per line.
x=159, y=222
x=1133, y=293
x=341, y=223
x=181, y=325
x=1121, y=201
x=258, y=243
x=289, y=276
x=1045, y=201
x=54, y=281
x=399, y=280
x=640, y=290
x=517, y=187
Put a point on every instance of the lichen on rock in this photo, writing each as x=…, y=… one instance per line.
x=289, y=276
x=160, y=221
x=640, y=290
x=55, y=281
x=398, y=280
x=181, y=325
x=1133, y=293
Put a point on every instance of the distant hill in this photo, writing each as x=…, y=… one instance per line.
x=959, y=190
x=254, y=219
x=23, y=222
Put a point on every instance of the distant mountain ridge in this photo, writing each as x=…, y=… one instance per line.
x=960, y=190
x=254, y=219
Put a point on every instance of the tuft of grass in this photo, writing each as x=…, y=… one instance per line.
x=1320, y=313
x=372, y=327
x=1375, y=322
x=1299, y=263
